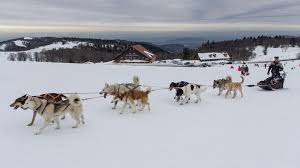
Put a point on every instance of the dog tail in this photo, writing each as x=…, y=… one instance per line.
x=136, y=80
x=242, y=80
x=75, y=100
x=202, y=88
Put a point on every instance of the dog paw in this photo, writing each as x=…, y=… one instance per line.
x=37, y=133
x=74, y=126
x=57, y=128
x=29, y=125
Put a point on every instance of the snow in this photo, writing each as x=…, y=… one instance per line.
x=213, y=56
x=133, y=61
x=283, y=53
x=20, y=43
x=261, y=130
x=3, y=46
x=149, y=54
x=59, y=45
x=28, y=38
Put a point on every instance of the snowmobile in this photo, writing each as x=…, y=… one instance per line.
x=272, y=83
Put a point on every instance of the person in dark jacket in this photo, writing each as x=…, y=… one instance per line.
x=243, y=70
x=275, y=68
x=246, y=69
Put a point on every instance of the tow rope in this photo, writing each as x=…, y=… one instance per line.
x=90, y=98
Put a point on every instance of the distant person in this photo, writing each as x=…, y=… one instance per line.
x=275, y=68
x=243, y=70
x=246, y=69
x=265, y=66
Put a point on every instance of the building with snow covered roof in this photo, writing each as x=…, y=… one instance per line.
x=135, y=54
x=213, y=56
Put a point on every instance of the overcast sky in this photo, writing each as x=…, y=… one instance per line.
x=148, y=15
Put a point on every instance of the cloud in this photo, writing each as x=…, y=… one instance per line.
x=128, y=15
x=279, y=10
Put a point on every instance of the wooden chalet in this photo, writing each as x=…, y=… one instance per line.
x=135, y=54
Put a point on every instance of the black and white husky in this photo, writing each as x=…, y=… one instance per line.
x=186, y=91
x=175, y=86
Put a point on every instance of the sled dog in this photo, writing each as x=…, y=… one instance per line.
x=188, y=90
x=54, y=97
x=116, y=90
x=220, y=84
x=175, y=86
x=51, y=111
x=234, y=86
x=129, y=97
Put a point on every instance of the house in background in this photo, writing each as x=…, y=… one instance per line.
x=135, y=54
x=213, y=56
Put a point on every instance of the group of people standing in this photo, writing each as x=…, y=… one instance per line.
x=244, y=69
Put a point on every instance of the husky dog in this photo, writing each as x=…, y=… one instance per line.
x=234, y=86
x=51, y=111
x=54, y=97
x=188, y=90
x=220, y=83
x=129, y=98
x=175, y=86
x=118, y=89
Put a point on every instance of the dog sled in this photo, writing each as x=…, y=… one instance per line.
x=273, y=83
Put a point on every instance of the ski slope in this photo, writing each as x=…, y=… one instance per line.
x=287, y=52
x=259, y=131
x=59, y=45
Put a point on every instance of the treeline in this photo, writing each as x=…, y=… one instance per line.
x=97, y=50
x=90, y=50
x=74, y=55
x=242, y=49
x=80, y=54
x=94, y=44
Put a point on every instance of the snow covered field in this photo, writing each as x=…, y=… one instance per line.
x=259, y=131
x=59, y=45
x=282, y=52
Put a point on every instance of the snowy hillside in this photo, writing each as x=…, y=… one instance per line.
x=283, y=53
x=259, y=131
x=58, y=45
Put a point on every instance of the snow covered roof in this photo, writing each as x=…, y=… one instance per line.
x=213, y=56
x=140, y=49
x=143, y=51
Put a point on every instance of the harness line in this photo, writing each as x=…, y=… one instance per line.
x=82, y=93
x=90, y=98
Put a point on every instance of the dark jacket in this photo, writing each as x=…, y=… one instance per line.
x=275, y=69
